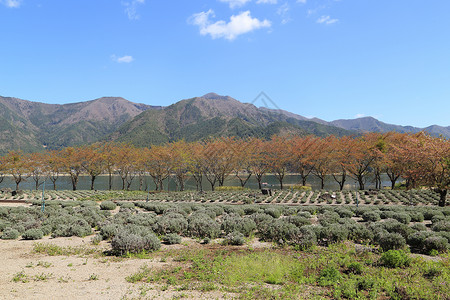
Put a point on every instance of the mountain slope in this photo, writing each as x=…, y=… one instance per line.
x=370, y=124
x=31, y=126
x=212, y=116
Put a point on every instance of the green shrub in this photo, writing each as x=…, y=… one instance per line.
x=273, y=211
x=172, y=239
x=108, y=231
x=359, y=233
x=371, y=216
x=302, y=187
x=365, y=284
x=279, y=231
x=441, y=226
x=305, y=239
x=70, y=203
x=354, y=268
x=429, y=214
x=445, y=234
x=33, y=234
x=126, y=242
x=10, y=234
x=416, y=216
x=46, y=229
x=234, y=238
x=298, y=221
x=108, y=205
x=126, y=204
x=329, y=276
x=252, y=209
x=387, y=214
x=437, y=218
x=344, y=213
x=437, y=243
x=142, y=219
x=391, y=241
x=333, y=234
x=417, y=239
x=92, y=215
x=329, y=218
x=202, y=226
x=394, y=226
x=395, y=259
x=171, y=223
x=235, y=223
x=419, y=227
x=229, y=188
x=402, y=218
x=234, y=209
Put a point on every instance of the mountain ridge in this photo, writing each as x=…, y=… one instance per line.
x=33, y=126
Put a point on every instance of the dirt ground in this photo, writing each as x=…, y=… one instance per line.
x=74, y=277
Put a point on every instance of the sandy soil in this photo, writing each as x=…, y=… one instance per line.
x=74, y=277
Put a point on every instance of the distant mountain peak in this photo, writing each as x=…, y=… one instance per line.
x=214, y=96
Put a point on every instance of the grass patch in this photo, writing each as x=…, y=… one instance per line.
x=55, y=250
x=336, y=272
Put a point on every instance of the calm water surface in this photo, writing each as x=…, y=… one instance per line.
x=101, y=183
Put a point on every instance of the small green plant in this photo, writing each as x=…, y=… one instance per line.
x=20, y=277
x=42, y=277
x=43, y=264
x=63, y=279
x=354, y=268
x=93, y=277
x=395, y=259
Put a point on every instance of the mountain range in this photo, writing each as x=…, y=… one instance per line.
x=34, y=126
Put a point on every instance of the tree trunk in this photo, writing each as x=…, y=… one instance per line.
x=123, y=183
x=361, y=183
x=110, y=181
x=53, y=179
x=74, y=182
x=259, y=179
x=141, y=182
x=341, y=182
x=198, y=181
x=443, y=197
x=92, y=182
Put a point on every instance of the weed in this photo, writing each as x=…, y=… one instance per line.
x=42, y=277
x=93, y=277
x=20, y=277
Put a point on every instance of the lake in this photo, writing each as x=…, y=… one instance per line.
x=101, y=183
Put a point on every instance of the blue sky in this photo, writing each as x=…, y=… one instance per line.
x=318, y=58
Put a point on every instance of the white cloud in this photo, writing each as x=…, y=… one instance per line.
x=11, y=3
x=131, y=8
x=283, y=12
x=357, y=116
x=238, y=24
x=266, y=2
x=123, y=59
x=236, y=3
x=327, y=20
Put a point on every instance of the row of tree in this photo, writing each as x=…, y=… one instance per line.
x=418, y=158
